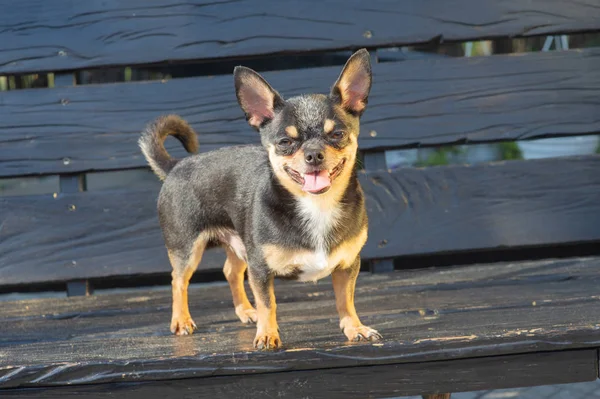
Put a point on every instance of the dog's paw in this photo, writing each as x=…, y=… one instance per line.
x=183, y=325
x=268, y=340
x=362, y=333
x=247, y=315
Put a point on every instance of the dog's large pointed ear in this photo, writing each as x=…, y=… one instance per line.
x=256, y=97
x=351, y=90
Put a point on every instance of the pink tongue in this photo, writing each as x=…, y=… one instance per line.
x=316, y=181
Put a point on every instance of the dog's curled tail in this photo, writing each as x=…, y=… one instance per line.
x=153, y=139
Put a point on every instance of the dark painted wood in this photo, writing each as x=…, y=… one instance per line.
x=411, y=211
x=426, y=102
x=72, y=183
x=382, y=265
x=84, y=235
x=64, y=79
x=91, y=34
x=426, y=316
x=501, y=205
x=355, y=382
x=79, y=288
x=375, y=160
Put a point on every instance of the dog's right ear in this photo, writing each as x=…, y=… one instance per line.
x=351, y=90
x=258, y=99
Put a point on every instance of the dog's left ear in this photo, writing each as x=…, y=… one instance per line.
x=351, y=90
x=258, y=99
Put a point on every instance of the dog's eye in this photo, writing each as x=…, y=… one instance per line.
x=338, y=135
x=285, y=142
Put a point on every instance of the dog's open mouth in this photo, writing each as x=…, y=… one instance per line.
x=317, y=182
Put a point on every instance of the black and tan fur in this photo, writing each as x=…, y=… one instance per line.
x=255, y=201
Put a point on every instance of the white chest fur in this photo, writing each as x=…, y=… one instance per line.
x=311, y=265
x=318, y=219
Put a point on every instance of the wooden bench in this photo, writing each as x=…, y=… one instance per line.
x=529, y=320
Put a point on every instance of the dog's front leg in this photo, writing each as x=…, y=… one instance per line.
x=344, y=282
x=267, y=330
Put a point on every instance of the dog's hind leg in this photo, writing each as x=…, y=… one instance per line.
x=184, y=265
x=234, y=270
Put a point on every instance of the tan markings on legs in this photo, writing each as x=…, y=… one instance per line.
x=267, y=330
x=234, y=270
x=292, y=131
x=328, y=126
x=344, y=283
x=183, y=269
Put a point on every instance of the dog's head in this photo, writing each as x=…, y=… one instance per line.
x=311, y=139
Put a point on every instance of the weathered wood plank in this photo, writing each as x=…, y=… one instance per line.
x=357, y=382
x=447, y=279
x=425, y=316
x=91, y=34
x=79, y=288
x=411, y=211
x=84, y=235
x=412, y=103
x=375, y=161
x=69, y=184
x=64, y=79
x=500, y=205
x=382, y=265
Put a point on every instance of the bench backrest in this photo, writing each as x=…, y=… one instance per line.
x=66, y=134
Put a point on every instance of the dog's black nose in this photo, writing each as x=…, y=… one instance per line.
x=314, y=157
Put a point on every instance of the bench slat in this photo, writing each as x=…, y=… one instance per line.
x=357, y=382
x=412, y=211
x=92, y=34
x=426, y=316
x=488, y=206
x=428, y=102
x=84, y=235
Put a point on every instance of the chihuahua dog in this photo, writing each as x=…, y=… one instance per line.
x=291, y=208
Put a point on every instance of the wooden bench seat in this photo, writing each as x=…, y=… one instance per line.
x=460, y=327
x=530, y=322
